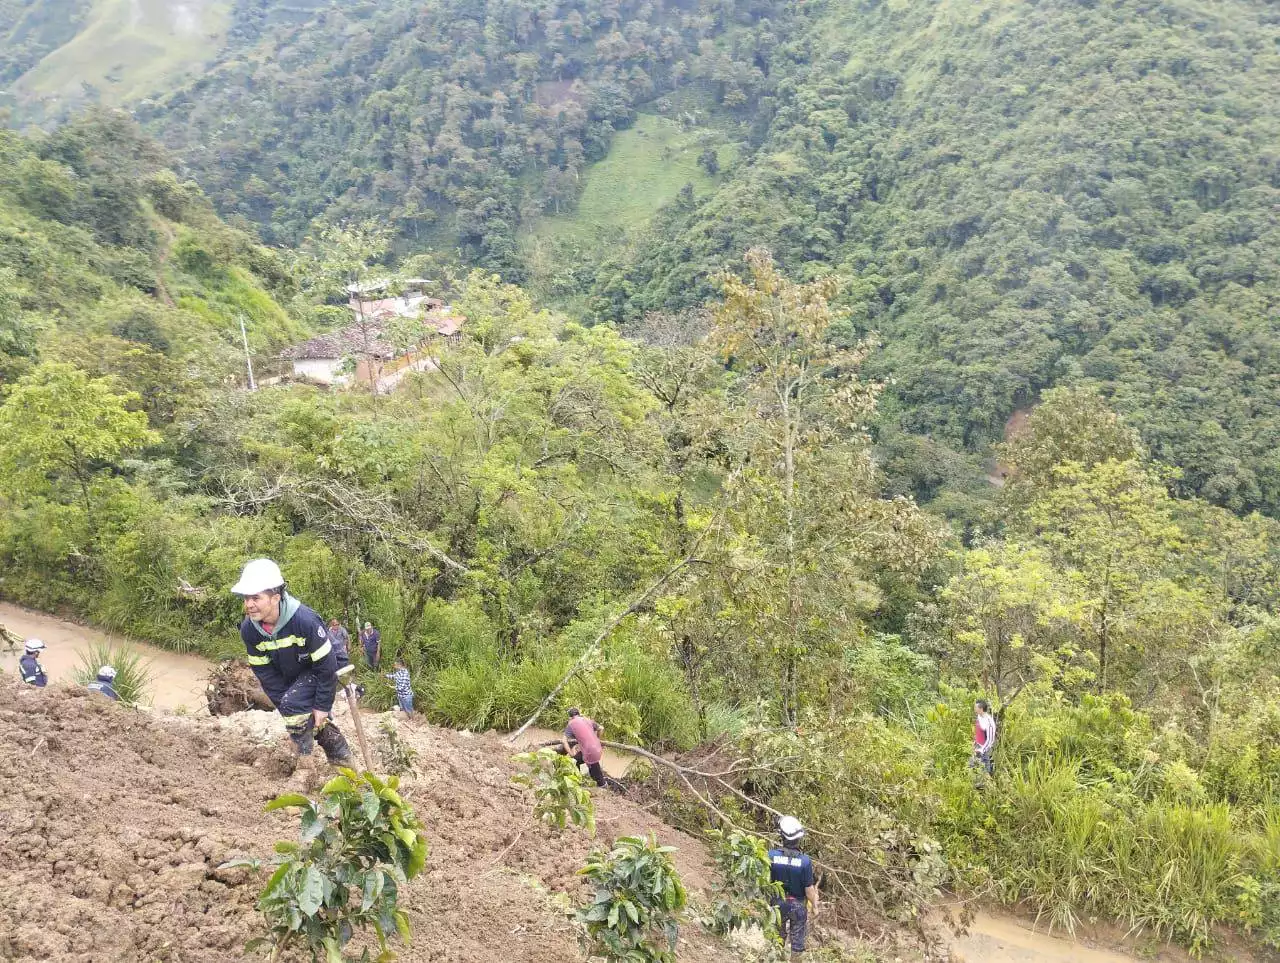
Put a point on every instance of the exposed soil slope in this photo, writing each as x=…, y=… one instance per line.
x=113, y=824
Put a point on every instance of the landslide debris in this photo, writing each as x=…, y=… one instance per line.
x=113, y=823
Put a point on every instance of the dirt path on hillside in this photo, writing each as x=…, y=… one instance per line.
x=178, y=682
x=1000, y=939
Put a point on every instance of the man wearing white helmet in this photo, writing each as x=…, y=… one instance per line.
x=794, y=870
x=290, y=653
x=105, y=683
x=29, y=666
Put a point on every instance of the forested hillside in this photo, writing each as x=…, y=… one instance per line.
x=752, y=512
x=105, y=254
x=456, y=120
x=1023, y=195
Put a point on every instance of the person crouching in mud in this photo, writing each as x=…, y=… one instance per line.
x=295, y=662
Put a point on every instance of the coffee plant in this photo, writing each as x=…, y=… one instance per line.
x=358, y=845
x=744, y=891
x=638, y=899
x=560, y=798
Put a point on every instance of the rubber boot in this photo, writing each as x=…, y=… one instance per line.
x=334, y=744
x=303, y=773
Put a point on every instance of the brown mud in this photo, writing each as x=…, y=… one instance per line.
x=232, y=687
x=113, y=824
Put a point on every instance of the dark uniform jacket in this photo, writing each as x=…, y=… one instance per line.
x=297, y=645
x=106, y=688
x=32, y=671
x=793, y=869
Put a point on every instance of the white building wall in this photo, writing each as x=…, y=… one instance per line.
x=327, y=371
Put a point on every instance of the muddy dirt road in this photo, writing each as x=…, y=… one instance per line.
x=179, y=680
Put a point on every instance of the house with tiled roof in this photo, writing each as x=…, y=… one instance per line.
x=362, y=352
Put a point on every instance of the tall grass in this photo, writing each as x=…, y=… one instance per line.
x=463, y=695
x=133, y=672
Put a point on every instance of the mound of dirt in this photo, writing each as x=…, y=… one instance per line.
x=113, y=824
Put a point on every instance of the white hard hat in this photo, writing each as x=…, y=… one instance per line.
x=107, y=672
x=258, y=576
x=791, y=829
x=34, y=645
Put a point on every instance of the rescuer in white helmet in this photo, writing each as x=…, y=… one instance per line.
x=29, y=666
x=294, y=660
x=105, y=683
x=794, y=870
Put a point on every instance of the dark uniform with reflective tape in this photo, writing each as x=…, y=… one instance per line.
x=105, y=687
x=794, y=870
x=32, y=671
x=296, y=666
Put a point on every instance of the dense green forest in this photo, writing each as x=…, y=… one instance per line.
x=456, y=120
x=1026, y=196
x=752, y=428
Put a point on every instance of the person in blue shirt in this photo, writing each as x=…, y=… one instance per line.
x=29, y=666
x=371, y=639
x=794, y=870
x=290, y=653
x=105, y=683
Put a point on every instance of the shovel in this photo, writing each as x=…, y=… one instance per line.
x=343, y=674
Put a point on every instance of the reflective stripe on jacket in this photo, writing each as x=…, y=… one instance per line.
x=32, y=671
x=298, y=644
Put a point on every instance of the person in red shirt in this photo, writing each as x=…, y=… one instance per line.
x=585, y=733
x=984, y=737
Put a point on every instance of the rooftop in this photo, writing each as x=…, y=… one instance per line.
x=356, y=339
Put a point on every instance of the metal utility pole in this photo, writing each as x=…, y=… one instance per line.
x=248, y=360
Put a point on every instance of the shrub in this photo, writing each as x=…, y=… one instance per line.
x=357, y=846
x=133, y=672
x=635, y=910
x=556, y=781
x=397, y=755
x=744, y=890
x=522, y=687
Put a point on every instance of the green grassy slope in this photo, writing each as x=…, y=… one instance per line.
x=125, y=49
x=647, y=167
x=106, y=258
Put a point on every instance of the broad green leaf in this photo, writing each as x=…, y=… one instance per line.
x=311, y=894
x=287, y=800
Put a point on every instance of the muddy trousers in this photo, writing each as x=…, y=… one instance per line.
x=296, y=707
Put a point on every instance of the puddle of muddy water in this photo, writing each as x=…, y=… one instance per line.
x=178, y=681
x=615, y=763
x=1003, y=939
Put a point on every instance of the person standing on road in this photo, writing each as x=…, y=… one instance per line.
x=371, y=639
x=581, y=740
x=984, y=737
x=293, y=658
x=105, y=683
x=29, y=666
x=794, y=870
x=404, y=687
